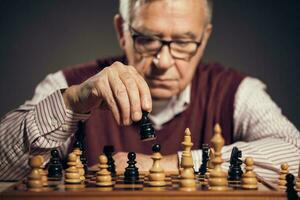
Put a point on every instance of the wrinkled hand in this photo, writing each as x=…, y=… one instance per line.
x=119, y=87
x=144, y=162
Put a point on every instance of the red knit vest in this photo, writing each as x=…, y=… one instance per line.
x=212, y=99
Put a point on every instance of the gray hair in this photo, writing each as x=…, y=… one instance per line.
x=126, y=7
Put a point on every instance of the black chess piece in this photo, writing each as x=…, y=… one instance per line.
x=55, y=167
x=131, y=174
x=205, y=158
x=108, y=150
x=79, y=143
x=147, y=132
x=291, y=193
x=156, y=148
x=235, y=171
x=83, y=160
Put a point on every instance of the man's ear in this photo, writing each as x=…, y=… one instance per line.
x=207, y=33
x=118, y=23
x=208, y=30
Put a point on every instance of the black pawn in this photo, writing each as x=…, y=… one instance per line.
x=55, y=167
x=83, y=160
x=79, y=143
x=147, y=132
x=235, y=171
x=156, y=148
x=290, y=187
x=131, y=174
x=205, y=158
x=108, y=150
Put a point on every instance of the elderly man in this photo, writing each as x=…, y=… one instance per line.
x=161, y=72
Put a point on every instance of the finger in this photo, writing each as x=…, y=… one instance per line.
x=145, y=95
x=104, y=90
x=120, y=159
x=120, y=96
x=133, y=94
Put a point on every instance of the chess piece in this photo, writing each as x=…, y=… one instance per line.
x=79, y=143
x=79, y=165
x=283, y=172
x=79, y=150
x=108, y=151
x=131, y=173
x=55, y=166
x=156, y=173
x=83, y=160
x=35, y=178
x=235, y=171
x=147, y=132
x=205, y=158
x=187, y=177
x=43, y=173
x=103, y=175
x=72, y=175
x=218, y=177
x=290, y=187
x=249, y=180
x=210, y=164
x=298, y=180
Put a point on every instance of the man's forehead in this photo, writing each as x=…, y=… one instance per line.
x=191, y=34
x=178, y=17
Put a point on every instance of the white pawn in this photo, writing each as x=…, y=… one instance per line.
x=43, y=172
x=284, y=170
x=156, y=173
x=35, y=178
x=249, y=180
x=79, y=164
x=72, y=175
x=103, y=178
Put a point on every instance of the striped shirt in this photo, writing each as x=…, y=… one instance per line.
x=44, y=123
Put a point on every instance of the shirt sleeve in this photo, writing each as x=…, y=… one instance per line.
x=36, y=127
x=261, y=131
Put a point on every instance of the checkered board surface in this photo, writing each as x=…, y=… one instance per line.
x=139, y=190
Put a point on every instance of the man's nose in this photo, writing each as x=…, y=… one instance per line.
x=164, y=59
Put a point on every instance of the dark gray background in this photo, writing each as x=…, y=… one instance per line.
x=37, y=37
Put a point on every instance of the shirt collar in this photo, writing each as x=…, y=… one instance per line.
x=167, y=110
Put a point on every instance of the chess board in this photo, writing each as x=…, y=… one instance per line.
x=140, y=190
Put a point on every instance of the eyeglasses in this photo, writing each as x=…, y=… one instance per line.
x=151, y=45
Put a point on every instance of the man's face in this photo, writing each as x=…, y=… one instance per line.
x=179, y=20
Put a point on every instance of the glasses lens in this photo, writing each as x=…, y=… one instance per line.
x=147, y=45
x=183, y=49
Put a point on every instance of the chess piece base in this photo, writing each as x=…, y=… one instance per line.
x=72, y=181
x=250, y=187
x=157, y=183
x=187, y=183
x=218, y=188
x=108, y=184
x=35, y=184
